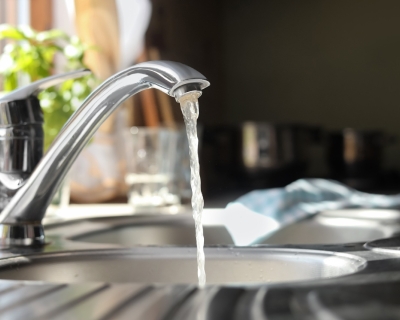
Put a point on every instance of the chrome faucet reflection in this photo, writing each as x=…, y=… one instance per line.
x=21, y=218
x=21, y=133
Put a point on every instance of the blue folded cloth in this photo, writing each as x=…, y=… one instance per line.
x=306, y=197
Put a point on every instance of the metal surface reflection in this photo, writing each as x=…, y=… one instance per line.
x=29, y=204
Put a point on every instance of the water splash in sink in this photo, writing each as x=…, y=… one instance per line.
x=190, y=110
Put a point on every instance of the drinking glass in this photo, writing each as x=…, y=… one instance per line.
x=150, y=155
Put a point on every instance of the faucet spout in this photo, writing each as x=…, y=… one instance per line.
x=29, y=204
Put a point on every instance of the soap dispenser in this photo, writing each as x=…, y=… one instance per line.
x=21, y=133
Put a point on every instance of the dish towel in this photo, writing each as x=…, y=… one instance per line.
x=298, y=200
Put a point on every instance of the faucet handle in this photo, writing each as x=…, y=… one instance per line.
x=21, y=133
x=22, y=106
x=34, y=88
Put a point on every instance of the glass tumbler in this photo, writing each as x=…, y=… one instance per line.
x=150, y=155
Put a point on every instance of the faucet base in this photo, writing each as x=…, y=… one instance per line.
x=21, y=235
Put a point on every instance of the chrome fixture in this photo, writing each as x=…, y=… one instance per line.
x=21, y=133
x=21, y=218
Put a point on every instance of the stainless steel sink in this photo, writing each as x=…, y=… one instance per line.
x=179, y=233
x=178, y=230
x=330, y=230
x=120, y=227
x=334, y=227
x=172, y=265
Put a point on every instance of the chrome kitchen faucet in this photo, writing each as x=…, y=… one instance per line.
x=21, y=133
x=21, y=219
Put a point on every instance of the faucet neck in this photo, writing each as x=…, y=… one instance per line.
x=31, y=201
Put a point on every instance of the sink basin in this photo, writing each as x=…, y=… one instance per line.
x=155, y=233
x=329, y=230
x=179, y=230
x=169, y=265
x=155, y=229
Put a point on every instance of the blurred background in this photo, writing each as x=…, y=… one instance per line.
x=298, y=89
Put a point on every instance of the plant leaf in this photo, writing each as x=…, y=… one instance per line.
x=51, y=35
x=28, y=32
x=9, y=32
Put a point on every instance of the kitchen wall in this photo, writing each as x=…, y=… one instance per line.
x=335, y=63
x=190, y=32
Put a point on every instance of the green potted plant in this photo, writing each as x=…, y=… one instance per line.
x=29, y=56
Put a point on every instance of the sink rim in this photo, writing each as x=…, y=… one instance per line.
x=366, y=214
x=351, y=262
x=209, y=249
